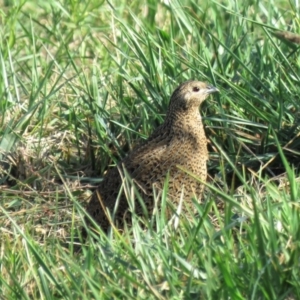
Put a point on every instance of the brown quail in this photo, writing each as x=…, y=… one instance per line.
x=178, y=144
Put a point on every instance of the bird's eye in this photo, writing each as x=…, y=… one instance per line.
x=196, y=89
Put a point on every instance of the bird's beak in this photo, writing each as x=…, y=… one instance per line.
x=211, y=89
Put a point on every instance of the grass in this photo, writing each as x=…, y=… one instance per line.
x=82, y=81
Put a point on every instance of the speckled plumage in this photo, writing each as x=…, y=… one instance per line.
x=179, y=141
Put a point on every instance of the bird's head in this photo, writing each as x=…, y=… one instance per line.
x=190, y=94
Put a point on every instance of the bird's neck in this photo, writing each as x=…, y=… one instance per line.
x=187, y=121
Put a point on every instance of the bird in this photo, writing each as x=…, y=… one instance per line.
x=177, y=149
